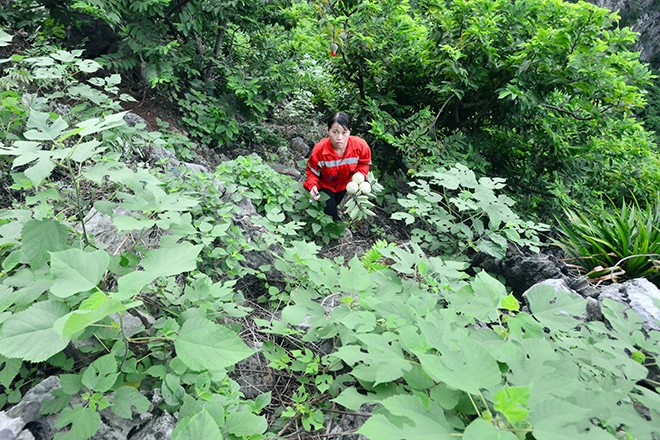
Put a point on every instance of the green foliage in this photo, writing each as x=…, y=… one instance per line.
x=63, y=288
x=547, y=102
x=458, y=357
x=208, y=119
x=453, y=212
x=616, y=243
x=437, y=349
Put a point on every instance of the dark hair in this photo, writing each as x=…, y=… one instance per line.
x=342, y=119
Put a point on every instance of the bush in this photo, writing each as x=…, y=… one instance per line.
x=617, y=243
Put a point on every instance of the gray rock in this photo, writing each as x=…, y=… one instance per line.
x=105, y=233
x=522, y=271
x=28, y=408
x=159, y=428
x=196, y=167
x=299, y=147
x=12, y=428
x=157, y=154
x=41, y=427
x=131, y=325
x=282, y=169
x=640, y=295
x=133, y=120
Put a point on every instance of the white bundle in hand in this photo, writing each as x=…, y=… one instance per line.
x=358, y=178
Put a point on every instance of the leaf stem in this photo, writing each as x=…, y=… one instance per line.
x=474, y=404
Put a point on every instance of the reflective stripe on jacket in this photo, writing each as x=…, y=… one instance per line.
x=326, y=169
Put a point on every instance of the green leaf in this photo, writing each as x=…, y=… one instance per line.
x=128, y=223
x=127, y=398
x=384, y=362
x=5, y=38
x=8, y=370
x=355, y=278
x=75, y=270
x=481, y=299
x=512, y=403
x=165, y=261
x=71, y=383
x=41, y=130
x=554, y=418
x=29, y=335
x=557, y=310
x=407, y=417
x=41, y=169
x=86, y=150
x=88, y=66
x=466, y=366
x=96, y=125
x=351, y=399
x=93, y=309
x=84, y=423
x=243, y=424
x=101, y=374
x=200, y=426
x=205, y=345
x=510, y=302
x=41, y=237
x=480, y=429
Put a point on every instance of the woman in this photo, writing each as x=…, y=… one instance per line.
x=334, y=161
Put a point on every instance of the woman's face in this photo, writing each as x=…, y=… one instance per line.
x=338, y=136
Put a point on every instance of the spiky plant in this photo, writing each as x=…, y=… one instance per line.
x=620, y=242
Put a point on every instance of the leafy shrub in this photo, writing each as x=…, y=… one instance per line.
x=284, y=203
x=615, y=243
x=440, y=353
x=209, y=120
x=452, y=211
x=63, y=289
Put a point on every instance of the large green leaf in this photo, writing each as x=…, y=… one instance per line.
x=101, y=374
x=93, y=309
x=40, y=237
x=480, y=429
x=165, y=261
x=243, y=424
x=5, y=38
x=385, y=361
x=200, y=426
x=8, y=370
x=75, y=270
x=467, y=367
x=205, y=345
x=556, y=309
x=407, y=417
x=126, y=398
x=481, y=299
x=29, y=334
x=84, y=423
x=41, y=129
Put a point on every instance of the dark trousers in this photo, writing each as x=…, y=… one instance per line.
x=334, y=200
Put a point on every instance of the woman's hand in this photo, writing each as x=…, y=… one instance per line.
x=314, y=193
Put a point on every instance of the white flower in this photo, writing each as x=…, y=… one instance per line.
x=365, y=188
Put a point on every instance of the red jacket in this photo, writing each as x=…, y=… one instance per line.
x=326, y=169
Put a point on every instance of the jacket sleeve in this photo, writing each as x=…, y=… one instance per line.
x=313, y=170
x=364, y=163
